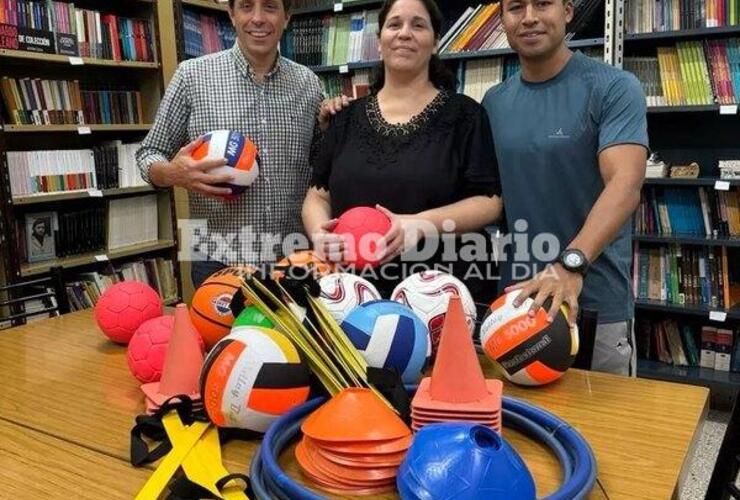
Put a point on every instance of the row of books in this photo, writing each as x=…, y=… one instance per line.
x=304, y=4
x=688, y=212
x=85, y=290
x=686, y=275
x=33, y=101
x=206, y=33
x=686, y=344
x=33, y=172
x=694, y=73
x=115, y=165
x=332, y=39
x=475, y=77
x=48, y=235
x=478, y=28
x=108, y=166
x=356, y=85
x=89, y=33
x=647, y=16
x=132, y=220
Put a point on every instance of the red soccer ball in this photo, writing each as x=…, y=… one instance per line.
x=124, y=307
x=148, y=348
x=362, y=227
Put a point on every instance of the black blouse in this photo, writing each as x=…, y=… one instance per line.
x=443, y=155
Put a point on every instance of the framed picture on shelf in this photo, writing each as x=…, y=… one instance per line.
x=40, y=228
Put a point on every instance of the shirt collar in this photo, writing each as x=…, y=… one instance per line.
x=245, y=68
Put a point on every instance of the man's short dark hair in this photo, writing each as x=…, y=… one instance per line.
x=287, y=4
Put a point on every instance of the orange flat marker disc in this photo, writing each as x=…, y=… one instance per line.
x=355, y=414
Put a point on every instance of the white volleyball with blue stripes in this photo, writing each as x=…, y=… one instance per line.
x=389, y=335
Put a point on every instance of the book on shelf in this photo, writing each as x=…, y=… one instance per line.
x=110, y=165
x=355, y=85
x=690, y=73
x=53, y=234
x=478, y=28
x=332, y=39
x=33, y=101
x=206, y=33
x=84, y=290
x=65, y=29
x=685, y=275
x=647, y=16
x=681, y=211
x=681, y=343
x=33, y=172
x=132, y=220
x=729, y=169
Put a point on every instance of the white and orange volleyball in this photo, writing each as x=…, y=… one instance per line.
x=242, y=158
x=530, y=350
x=251, y=377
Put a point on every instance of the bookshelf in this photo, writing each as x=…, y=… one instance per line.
x=715, y=380
x=121, y=78
x=207, y=5
x=336, y=7
x=86, y=61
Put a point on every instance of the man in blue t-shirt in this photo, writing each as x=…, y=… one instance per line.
x=571, y=140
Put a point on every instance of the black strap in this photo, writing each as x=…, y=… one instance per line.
x=151, y=427
x=221, y=483
x=388, y=382
x=237, y=303
x=184, y=489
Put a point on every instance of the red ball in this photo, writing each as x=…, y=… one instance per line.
x=148, y=348
x=124, y=307
x=362, y=228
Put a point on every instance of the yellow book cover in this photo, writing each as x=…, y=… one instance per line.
x=678, y=82
x=663, y=74
x=472, y=28
x=703, y=68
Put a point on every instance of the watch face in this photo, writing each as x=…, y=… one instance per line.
x=572, y=260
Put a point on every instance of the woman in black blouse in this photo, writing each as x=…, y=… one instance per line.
x=413, y=148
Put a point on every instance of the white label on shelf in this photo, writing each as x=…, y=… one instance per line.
x=722, y=185
x=720, y=316
x=84, y=130
x=76, y=61
x=728, y=109
x=343, y=69
x=101, y=258
x=95, y=193
x=338, y=7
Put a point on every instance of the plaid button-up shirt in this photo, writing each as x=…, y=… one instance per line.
x=219, y=91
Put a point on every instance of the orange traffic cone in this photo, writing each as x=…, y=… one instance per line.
x=457, y=376
x=182, y=364
x=457, y=389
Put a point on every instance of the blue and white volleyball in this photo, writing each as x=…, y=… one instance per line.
x=342, y=292
x=242, y=158
x=389, y=335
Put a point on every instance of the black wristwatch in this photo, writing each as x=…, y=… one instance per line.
x=574, y=260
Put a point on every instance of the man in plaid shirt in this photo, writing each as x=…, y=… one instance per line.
x=273, y=101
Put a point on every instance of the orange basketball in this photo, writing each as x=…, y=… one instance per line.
x=210, y=311
x=306, y=259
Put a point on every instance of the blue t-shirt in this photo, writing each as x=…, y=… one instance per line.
x=548, y=136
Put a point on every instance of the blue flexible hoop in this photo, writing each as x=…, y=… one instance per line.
x=576, y=458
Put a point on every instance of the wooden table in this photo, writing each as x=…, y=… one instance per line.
x=67, y=391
